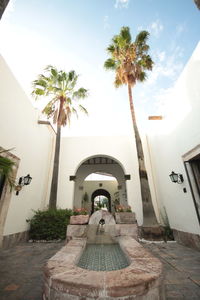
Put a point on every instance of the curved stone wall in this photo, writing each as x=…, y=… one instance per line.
x=141, y=280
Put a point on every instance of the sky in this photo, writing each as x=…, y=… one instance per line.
x=74, y=34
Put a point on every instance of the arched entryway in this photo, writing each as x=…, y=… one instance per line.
x=115, y=184
x=101, y=192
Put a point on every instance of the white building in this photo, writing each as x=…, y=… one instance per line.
x=174, y=147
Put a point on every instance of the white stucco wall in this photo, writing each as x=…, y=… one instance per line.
x=31, y=142
x=75, y=150
x=170, y=139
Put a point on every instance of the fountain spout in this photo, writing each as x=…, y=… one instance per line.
x=100, y=228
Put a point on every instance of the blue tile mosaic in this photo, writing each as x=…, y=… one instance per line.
x=103, y=257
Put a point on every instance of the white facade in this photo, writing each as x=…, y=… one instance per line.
x=170, y=139
x=32, y=143
x=76, y=150
x=165, y=149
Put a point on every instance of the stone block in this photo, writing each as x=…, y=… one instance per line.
x=79, y=220
x=127, y=230
x=76, y=231
x=125, y=218
x=152, y=233
x=15, y=238
x=187, y=239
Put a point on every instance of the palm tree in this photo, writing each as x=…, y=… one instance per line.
x=130, y=60
x=59, y=86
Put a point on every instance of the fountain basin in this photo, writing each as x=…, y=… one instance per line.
x=103, y=257
x=142, y=279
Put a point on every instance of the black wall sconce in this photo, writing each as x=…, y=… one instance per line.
x=25, y=180
x=176, y=178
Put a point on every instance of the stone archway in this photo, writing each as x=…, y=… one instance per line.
x=101, y=192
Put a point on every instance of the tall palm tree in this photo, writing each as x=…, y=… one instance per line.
x=59, y=86
x=130, y=60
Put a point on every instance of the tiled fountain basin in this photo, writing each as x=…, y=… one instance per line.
x=142, y=279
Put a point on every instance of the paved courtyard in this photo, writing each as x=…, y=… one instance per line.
x=21, y=270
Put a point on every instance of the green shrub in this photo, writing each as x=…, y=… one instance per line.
x=49, y=224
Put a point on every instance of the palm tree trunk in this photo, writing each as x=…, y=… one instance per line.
x=149, y=218
x=54, y=182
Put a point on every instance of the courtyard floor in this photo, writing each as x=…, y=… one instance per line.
x=21, y=270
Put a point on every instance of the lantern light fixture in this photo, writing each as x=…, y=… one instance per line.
x=24, y=180
x=176, y=178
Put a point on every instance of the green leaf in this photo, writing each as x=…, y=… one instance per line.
x=83, y=109
x=125, y=34
x=110, y=64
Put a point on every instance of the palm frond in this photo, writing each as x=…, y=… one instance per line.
x=55, y=116
x=49, y=110
x=6, y=169
x=81, y=93
x=142, y=76
x=117, y=82
x=83, y=109
x=125, y=34
x=74, y=111
x=71, y=75
x=110, y=49
x=110, y=64
x=142, y=37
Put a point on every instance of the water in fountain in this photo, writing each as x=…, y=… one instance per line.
x=102, y=252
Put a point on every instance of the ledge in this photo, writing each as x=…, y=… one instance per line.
x=46, y=123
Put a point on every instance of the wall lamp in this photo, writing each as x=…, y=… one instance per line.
x=176, y=178
x=25, y=180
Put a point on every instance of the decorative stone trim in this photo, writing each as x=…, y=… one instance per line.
x=125, y=218
x=13, y=239
x=81, y=231
x=6, y=193
x=142, y=279
x=79, y=220
x=187, y=239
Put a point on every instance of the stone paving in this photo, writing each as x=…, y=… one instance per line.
x=181, y=267
x=21, y=270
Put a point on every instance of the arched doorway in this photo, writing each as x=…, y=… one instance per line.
x=101, y=192
x=115, y=184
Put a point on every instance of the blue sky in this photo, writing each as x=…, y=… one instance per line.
x=73, y=34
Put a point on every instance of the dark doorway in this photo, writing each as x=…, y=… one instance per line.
x=193, y=172
x=101, y=192
x=2, y=181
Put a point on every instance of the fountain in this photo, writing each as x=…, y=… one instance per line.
x=100, y=263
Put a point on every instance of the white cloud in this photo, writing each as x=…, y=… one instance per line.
x=180, y=28
x=168, y=66
x=156, y=28
x=106, y=23
x=161, y=56
x=121, y=3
